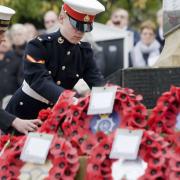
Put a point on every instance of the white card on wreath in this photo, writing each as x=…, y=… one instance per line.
x=126, y=144
x=36, y=148
x=122, y=167
x=102, y=100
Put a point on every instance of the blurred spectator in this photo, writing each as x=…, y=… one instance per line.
x=9, y=69
x=159, y=32
x=18, y=35
x=147, y=50
x=120, y=19
x=51, y=22
x=31, y=31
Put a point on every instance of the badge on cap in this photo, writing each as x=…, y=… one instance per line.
x=5, y=17
x=82, y=13
x=86, y=18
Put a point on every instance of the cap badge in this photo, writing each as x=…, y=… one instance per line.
x=86, y=18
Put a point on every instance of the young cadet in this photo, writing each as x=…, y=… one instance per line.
x=8, y=120
x=55, y=62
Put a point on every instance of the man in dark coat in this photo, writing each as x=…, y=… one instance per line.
x=55, y=62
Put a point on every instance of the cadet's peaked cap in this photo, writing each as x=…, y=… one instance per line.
x=5, y=17
x=82, y=13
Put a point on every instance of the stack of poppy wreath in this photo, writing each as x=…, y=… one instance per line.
x=63, y=159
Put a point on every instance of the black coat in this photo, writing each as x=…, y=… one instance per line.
x=51, y=65
x=6, y=120
x=10, y=68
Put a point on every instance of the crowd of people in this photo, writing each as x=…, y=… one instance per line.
x=148, y=44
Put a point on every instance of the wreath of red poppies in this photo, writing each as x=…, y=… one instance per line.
x=164, y=116
x=153, y=150
x=77, y=124
x=63, y=156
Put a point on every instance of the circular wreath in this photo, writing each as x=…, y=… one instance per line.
x=153, y=150
x=165, y=117
x=64, y=159
x=84, y=130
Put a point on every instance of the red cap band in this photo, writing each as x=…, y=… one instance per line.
x=78, y=16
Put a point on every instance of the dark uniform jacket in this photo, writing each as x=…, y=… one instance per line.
x=6, y=120
x=52, y=64
x=9, y=74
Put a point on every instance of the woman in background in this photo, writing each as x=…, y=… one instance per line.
x=147, y=50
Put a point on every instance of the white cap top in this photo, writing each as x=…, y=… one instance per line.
x=6, y=13
x=90, y=7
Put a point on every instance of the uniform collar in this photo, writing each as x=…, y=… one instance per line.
x=62, y=40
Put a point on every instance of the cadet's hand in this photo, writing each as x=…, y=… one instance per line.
x=24, y=126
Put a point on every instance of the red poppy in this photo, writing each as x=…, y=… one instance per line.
x=156, y=162
x=56, y=147
x=71, y=158
x=94, y=169
x=174, y=164
x=44, y=114
x=174, y=175
x=100, y=136
x=88, y=145
x=135, y=120
x=83, y=102
x=69, y=174
x=60, y=162
x=98, y=155
x=56, y=173
x=5, y=175
x=153, y=173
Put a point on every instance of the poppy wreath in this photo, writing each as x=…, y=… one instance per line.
x=153, y=150
x=64, y=159
x=165, y=117
x=8, y=141
x=53, y=118
x=84, y=131
x=173, y=168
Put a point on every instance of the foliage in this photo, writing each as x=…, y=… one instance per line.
x=33, y=10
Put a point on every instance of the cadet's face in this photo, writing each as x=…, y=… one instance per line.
x=69, y=32
x=147, y=36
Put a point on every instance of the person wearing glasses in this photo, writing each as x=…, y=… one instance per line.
x=7, y=120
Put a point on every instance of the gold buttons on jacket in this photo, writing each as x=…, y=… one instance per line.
x=63, y=68
x=68, y=53
x=58, y=83
x=60, y=40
